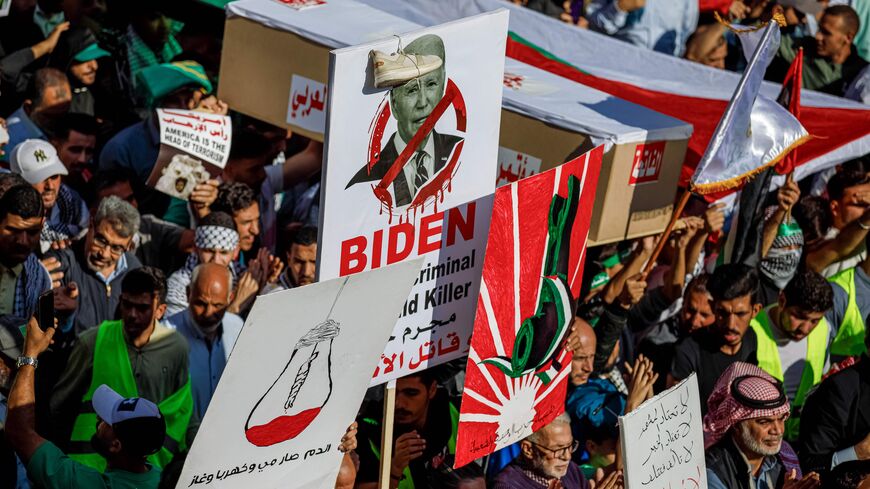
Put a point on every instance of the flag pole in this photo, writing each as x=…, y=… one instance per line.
x=387, y=434
x=675, y=216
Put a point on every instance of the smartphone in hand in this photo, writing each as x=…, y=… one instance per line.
x=45, y=310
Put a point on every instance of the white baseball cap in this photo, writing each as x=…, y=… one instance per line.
x=35, y=160
x=113, y=408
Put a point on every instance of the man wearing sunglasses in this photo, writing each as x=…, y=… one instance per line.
x=545, y=460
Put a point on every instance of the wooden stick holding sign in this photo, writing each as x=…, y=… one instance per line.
x=387, y=434
x=678, y=209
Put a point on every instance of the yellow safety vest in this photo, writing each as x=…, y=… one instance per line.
x=850, y=337
x=112, y=367
x=770, y=362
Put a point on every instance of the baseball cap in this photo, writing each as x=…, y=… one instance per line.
x=137, y=422
x=92, y=51
x=35, y=160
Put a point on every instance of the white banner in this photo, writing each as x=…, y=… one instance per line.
x=385, y=201
x=294, y=383
x=663, y=440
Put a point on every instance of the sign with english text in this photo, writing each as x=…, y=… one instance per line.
x=515, y=380
x=663, y=440
x=307, y=105
x=291, y=388
x=409, y=171
x=194, y=147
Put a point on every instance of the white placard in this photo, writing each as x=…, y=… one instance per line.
x=295, y=381
x=663, y=440
x=377, y=210
x=307, y=105
x=513, y=166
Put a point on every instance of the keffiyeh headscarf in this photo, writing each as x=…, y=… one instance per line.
x=67, y=220
x=743, y=392
x=216, y=238
x=33, y=281
x=781, y=262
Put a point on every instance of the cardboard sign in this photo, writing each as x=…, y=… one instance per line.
x=663, y=440
x=307, y=105
x=405, y=169
x=302, y=4
x=513, y=166
x=194, y=147
x=294, y=383
x=518, y=366
x=647, y=164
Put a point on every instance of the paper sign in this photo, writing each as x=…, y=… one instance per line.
x=194, y=147
x=518, y=367
x=663, y=440
x=302, y=4
x=5, y=5
x=307, y=105
x=406, y=169
x=513, y=166
x=647, y=162
x=295, y=381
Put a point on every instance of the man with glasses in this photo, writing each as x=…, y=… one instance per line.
x=98, y=263
x=545, y=460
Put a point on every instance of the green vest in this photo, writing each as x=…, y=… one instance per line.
x=112, y=367
x=850, y=338
x=770, y=362
x=407, y=481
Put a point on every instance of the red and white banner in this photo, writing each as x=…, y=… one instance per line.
x=518, y=366
x=408, y=171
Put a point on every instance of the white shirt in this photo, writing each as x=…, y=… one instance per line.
x=410, y=168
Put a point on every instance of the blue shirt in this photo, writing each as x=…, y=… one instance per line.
x=135, y=148
x=662, y=25
x=21, y=127
x=207, y=359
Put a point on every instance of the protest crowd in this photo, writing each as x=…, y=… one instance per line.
x=151, y=291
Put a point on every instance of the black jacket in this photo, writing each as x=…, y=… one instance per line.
x=835, y=416
x=725, y=460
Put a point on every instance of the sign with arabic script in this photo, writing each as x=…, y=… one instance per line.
x=513, y=166
x=307, y=105
x=277, y=422
x=663, y=440
x=194, y=147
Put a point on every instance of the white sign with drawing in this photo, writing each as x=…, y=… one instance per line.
x=663, y=441
x=295, y=381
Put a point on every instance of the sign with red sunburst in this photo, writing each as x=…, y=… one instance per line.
x=518, y=367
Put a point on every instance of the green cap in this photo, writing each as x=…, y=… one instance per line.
x=93, y=51
x=158, y=81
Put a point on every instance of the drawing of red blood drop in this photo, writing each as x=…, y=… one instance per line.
x=299, y=393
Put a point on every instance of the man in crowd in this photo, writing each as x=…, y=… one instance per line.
x=76, y=55
x=22, y=277
x=136, y=355
x=48, y=98
x=709, y=351
x=65, y=211
x=743, y=433
x=301, y=258
x=425, y=435
x=659, y=25
x=545, y=457
x=793, y=339
x=239, y=201
x=851, y=304
x=840, y=427
x=99, y=262
x=831, y=61
x=126, y=431
x=210, y=331
x=216, y=241
x=75, y=139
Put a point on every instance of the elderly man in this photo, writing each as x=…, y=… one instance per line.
x=48, y=98
x=98, y=263
x=411, y=103
x=545, y=459
x=137, y=356
x=65, y=211
x=211, y=331
x=215, y=241
x=743, y=433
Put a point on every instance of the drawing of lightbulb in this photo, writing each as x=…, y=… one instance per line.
x=299, y=393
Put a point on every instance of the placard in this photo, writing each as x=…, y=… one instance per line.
x=307, y=105
x=663, y=440
x=406, y=170
x=514, y=166
x=295, y=381
x=194, y=147
x=515, y=381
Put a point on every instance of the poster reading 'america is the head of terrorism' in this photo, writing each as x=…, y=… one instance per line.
x=411, y=160
x=518, y=365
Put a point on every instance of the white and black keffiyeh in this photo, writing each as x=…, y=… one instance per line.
x=67, y=220
x=33, y=281
x=216, y=238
